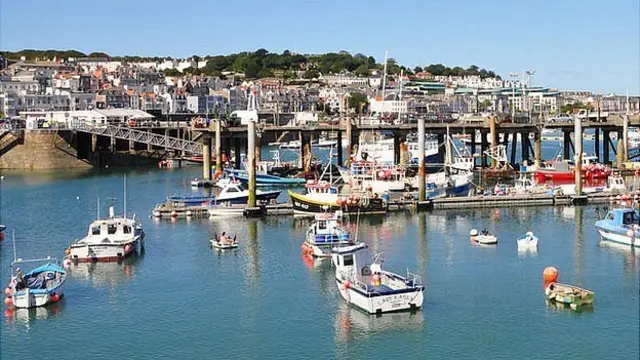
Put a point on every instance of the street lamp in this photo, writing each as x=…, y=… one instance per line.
x=529, y=74
x=513, y=76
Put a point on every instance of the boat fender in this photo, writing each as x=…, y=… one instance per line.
x=54, y=297
x=8, y=301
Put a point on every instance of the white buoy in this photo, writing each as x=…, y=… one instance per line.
x=77, y=197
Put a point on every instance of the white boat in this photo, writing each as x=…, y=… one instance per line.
x=372, y=289
x=483, y=237
x=111, y=239
x=528, y=241
x=324, y=234
x=40, y=286
x=295, y=144
x=226, y=210
x=382, y=151
x=324, y=143
x=235, y=193
x=374, y=177
x=217, y=244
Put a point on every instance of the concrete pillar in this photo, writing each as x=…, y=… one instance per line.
x=218, y=148
x=577, y=131
x=94, y=142
x=206, y=155
x=258, y=148
x=396, y=148
x=421, y=165
x=537, y=150
x=441, y=148
x=251, y=158
x=514, y=147
x=132, y=146
x=524, y=137
x=339, y=145
x=112, y=144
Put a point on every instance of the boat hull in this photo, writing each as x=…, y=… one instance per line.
x=105, y=252
x=303, y=206
x=243, y=199
x=618, y=237
x=484, y=239
x=400, y=300
x=271, y=180
x=26, y=299
x=226, y=211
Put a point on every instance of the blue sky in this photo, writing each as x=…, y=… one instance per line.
x=572, y=44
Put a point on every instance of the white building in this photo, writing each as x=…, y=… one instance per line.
x=344, y=79
x=387, y=106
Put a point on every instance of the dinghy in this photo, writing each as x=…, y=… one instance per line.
x=569, y=295
x=483, y=237
x=528, y=241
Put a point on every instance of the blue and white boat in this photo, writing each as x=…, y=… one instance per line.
x=235, y=193
x=38, y=287
x=368, y=287
x=324, y=234
x=620, y=226
x=268, y=180
x=193, y=200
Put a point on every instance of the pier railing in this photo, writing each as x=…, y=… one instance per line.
x=139, y=136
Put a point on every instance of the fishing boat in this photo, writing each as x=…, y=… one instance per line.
x=371, y=289
x=324, y=234
x=40, y=286
x=294, y=144
x=192, y=200
x=528, y=241
x=235, y=193
x=110, y=239
x=570, y=295
x=620, y=226
x=270, y=180
x=321, y=197
x=217, y=244
x=483, y=237
x=202, y=183
x=377, y=178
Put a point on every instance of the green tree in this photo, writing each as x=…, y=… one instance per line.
x=363, y=70
x=357, y=101
x=311, y=74
x=172, y=72
x=263, y=73
x=98, y=54
x=253, y=68
x=485, y=105
x=417, y=69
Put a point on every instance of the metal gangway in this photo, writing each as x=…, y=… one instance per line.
x=144, y=137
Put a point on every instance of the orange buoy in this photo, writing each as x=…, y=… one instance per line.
x=54, y=297
x=550, y=274
x=8, y=301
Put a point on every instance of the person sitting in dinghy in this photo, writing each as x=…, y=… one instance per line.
x=225, y=240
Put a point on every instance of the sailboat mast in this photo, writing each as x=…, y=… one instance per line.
x=98, y=207
x=13, y=237
x=125, y=196
x=400, y=96
x=384, y=76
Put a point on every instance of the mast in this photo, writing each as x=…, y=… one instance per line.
x=125, y=196
x=400, y=96
x=384, y=75
x=98, y=207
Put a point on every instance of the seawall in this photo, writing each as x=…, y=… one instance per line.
x=40, y=150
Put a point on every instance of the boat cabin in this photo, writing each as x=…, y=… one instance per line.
x=321, y=187
x=347, y=260
x=326, y=230
x=616, y=182
x=622, y=217
x=111, y=230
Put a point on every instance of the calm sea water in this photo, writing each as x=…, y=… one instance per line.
x=182, y=299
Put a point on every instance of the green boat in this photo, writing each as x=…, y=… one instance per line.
x=570, y=295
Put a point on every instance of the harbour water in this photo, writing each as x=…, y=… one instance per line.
x=182, y=299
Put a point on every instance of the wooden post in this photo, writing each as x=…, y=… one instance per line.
x=625, y=136
x=566, y=143
x=577, y=131
x=537, y=138
x=301, y=152
x=94, y=142
x=606, y=138
x=421, y=166
x=493, y=135
x=339, y=146
x=349, y=138
x=218, y=147
x=206, y=155
x=251, y=148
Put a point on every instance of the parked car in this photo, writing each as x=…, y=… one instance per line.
x=560, y=119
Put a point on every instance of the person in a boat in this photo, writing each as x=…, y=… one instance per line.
x=225, y=240
x=21, y=283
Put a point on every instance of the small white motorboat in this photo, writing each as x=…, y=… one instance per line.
x=226, y=210
x=220, y=245
x=528, y=241
x=483, y=237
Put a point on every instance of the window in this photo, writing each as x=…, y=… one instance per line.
x=610, y=216
x=347, y=260
x=232, y=190
x=111, y=229
x=322, y=225
x=95, y=230
x=126, y=229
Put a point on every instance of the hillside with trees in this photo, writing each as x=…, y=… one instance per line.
x=262, y=63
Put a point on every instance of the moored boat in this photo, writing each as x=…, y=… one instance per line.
x=226, y=210
x=483, y=237
x=571, y=295
x=202, y=183
x=39, y=287
x=322, y=197
x=235, y=193
x=368, y=287
x=192, y=200
x=324, y=234
x=621, y=226
x=224, y=244
x=528, y=241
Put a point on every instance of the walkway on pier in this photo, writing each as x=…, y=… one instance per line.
x=139, y=136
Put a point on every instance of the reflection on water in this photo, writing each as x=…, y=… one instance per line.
x=351, y=324
x=562, y=307
x=578, y=251
x=101, y=274
x=631, y=256
x=524, y=253
x=253, y=252
x=27, y=317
